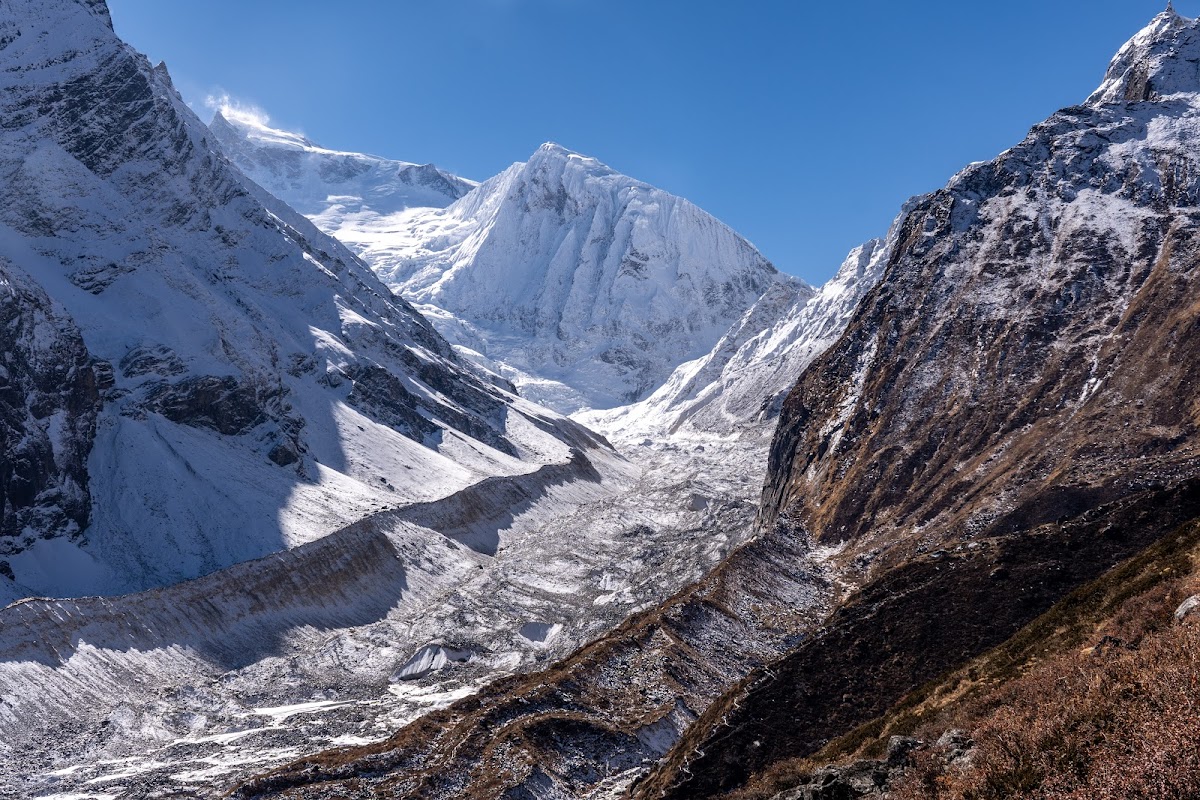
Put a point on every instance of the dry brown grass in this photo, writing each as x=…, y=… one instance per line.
x=1051, y=700
x=1121, y=720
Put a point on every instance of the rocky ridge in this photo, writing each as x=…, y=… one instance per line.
x=328, y=186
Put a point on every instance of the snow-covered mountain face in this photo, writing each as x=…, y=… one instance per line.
x=194, y=375
x=586, y=287
x=1039, y=270
x=332, y=188
x=582, y=286
x=738, y=388
x=1149, y=66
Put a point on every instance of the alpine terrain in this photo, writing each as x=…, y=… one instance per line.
x=954, y=483
x=292, y=506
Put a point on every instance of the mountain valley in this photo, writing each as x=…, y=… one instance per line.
x=327, y=475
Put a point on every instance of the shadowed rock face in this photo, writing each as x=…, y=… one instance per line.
x=48, y=403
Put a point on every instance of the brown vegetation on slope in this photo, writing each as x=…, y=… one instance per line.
x=1119, y=723
x=903, y=630
x=1021, y=379
x=1118, y=719
x=1129, y=603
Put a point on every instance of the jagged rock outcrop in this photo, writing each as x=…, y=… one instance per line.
x=866, y=777
x=49, y=399
x=1148, y=67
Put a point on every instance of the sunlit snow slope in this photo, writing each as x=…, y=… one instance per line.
x=734, y=393
x=336, y=189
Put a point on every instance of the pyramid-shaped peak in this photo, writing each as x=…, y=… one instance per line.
x=555, y=149
x=1159, y=61
x=553, y=152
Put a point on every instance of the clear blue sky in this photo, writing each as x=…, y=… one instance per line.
x=804, y=125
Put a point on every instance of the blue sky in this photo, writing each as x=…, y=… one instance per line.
x=803, y=125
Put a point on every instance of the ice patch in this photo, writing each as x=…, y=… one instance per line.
x=431, y=658
x=279, y=714
x=540, y=632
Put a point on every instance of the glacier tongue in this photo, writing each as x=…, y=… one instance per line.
x=582, y=286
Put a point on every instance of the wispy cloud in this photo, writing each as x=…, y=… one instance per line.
x=236, y=110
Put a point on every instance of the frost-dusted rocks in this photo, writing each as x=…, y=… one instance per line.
x=1188, y=608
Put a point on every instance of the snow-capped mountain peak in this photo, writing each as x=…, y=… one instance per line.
x=552, y=155
x=1159, y=61
x=229, y=120
x=582, y=285
x=194, y=374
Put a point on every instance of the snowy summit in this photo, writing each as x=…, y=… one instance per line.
x=1159, y=61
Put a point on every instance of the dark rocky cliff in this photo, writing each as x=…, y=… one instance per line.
x=49, y=397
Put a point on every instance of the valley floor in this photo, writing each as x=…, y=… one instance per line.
x=180, y=692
